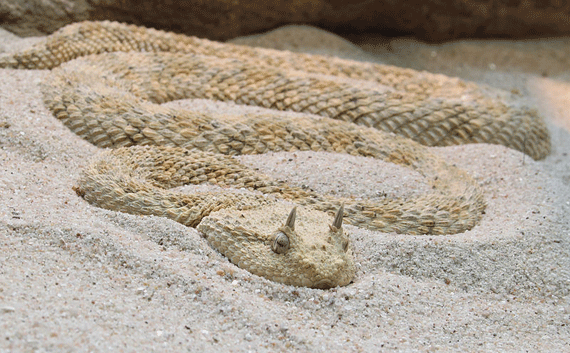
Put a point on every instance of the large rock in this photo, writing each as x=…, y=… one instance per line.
x=216, y=19
x=431, y=20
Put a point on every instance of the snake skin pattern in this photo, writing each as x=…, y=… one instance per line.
x=108, y=82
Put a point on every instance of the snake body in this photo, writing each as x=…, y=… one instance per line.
x=431, y=109
x=113, y=100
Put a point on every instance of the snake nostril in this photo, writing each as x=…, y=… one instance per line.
x=324, y=284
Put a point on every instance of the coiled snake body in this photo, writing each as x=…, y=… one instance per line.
x=108, y=81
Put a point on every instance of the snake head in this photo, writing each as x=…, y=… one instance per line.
x=308, y=249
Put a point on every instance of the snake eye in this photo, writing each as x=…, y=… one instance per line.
x=280, y=243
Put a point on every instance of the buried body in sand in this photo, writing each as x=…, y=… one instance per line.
x=445, y=230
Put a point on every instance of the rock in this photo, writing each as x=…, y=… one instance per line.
x=431, y=20
x=215, y=19
x=438, y=20
x=37, y=17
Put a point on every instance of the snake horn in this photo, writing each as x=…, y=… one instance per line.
x=291, y=219
x=337, y=223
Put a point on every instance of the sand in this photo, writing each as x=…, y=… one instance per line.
x=78, y=278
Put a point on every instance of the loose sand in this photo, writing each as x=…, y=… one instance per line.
x=78, y=278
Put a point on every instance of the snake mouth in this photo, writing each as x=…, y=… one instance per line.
x=324, y=284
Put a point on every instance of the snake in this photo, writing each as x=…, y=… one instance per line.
x=108, y=82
